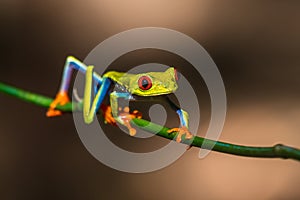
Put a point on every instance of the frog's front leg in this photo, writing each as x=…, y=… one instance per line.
x=124, y=116
x=184, y=123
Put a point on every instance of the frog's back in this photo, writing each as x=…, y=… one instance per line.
x=113, y=75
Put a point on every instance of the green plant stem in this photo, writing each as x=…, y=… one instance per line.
x=276, y=151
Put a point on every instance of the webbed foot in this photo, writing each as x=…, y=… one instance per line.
x=181, y=131
x=60, y=99
x=108, y=118
x=126, y=116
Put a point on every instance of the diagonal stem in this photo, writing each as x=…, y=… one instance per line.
x=276, y=151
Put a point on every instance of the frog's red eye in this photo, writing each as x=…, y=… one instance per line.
x=145, y=82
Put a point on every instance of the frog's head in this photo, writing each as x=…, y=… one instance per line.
x=151, y=83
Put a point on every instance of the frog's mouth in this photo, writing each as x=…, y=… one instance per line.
x=153, y=98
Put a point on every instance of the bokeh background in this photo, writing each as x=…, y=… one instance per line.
x=255, y=44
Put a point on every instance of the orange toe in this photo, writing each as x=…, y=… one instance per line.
x=53, y=113
x=132, y=131
x=60, y=99
x=173, y=130
x=137, y=114
x=108, y=118
x=181, y=131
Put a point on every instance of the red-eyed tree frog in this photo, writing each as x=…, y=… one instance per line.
x=120, y=85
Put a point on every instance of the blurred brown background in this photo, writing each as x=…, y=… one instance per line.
x=256, y=46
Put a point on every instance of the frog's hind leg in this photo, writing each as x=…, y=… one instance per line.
x=88, y=110
x=62, y=96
